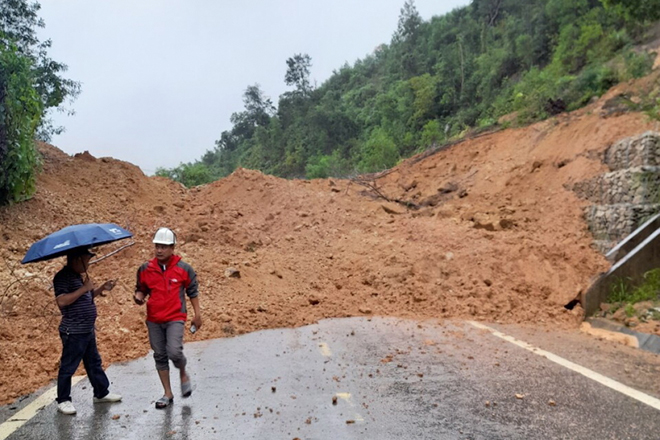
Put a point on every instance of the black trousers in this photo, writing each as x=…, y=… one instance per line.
x=76, y=348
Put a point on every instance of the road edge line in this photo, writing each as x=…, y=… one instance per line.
x=24, y=415
x=603, y=380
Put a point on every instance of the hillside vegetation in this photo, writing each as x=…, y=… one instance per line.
x=31, y=85
x=433, y=82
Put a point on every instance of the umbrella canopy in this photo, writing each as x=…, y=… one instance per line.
x=76, y=236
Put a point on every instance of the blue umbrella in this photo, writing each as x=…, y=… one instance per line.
x=76, y=236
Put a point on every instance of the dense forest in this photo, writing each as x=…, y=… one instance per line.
x=435, y=81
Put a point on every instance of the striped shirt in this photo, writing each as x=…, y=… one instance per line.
x=79, y=316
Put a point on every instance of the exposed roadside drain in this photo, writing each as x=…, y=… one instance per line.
x=571, y=304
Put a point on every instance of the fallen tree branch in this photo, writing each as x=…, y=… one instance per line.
x=370, y=183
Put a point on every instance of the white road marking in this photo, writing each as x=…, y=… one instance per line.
x=23, y=416
x=604, y=380
x=324, y=349
x=347, y=397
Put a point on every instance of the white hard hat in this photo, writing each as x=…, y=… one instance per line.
x=164, y=236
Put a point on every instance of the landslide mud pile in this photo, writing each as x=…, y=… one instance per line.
x=498, y=236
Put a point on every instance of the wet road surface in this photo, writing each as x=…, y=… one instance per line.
x=356, y=379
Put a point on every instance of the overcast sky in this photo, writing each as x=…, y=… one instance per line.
x=160, y=78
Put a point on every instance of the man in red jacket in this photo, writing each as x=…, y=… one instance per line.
x=167, y=280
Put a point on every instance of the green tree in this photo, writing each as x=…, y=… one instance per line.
x=425, y=92
x=405, y=41
x=189, y=174
x=640, y=10
x=30, y=85
x=409, y=22
x=20, y=113
x=297, y=73
x=19, y=26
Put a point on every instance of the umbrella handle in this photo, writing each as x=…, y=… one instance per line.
x=112, y=253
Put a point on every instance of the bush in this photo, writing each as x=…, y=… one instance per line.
x=378, y=153
x=592, y=81
x=637, y=64
x=431, y=133
x=189, y=174
x=532, y=93
x=322, y=167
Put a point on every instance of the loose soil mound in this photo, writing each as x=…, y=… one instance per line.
x=498, y=237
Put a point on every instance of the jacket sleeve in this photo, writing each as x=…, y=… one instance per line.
x=191, y=287
x=140, y=286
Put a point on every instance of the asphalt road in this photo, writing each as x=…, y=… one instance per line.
x=390, y=379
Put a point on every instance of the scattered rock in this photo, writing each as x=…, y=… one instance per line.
x=252, y=246
x=632, y=322
x=85, y=155
x=433, y=200
x=487, y=226
x=410, y=185
x=448, y=188
x=225, y=318
x=193, y=237
x=392, y=211
x=506, y=223
x=232, y=272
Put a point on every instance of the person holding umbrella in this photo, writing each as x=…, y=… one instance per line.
x=75, y=295
x=75, y=298
x=167, y=280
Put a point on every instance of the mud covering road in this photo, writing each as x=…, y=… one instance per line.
x=388, y=379
x=500, y=236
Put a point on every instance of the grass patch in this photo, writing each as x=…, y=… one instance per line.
x=648, y=290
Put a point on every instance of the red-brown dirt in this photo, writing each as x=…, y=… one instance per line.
x=501, y=238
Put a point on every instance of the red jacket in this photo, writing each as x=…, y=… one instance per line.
x=166, y=289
